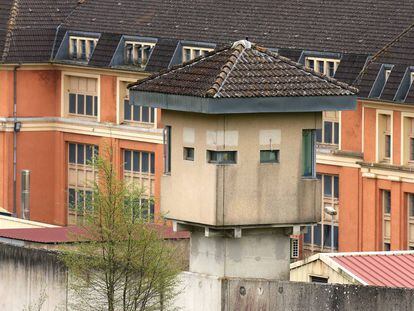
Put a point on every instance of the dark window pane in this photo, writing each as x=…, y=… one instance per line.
x=95, y=104
x=188, y=154
x=387, y=201
x=72, y=153
x=336, y=133
x=307, y=238
x=387, y=146
x=91, y=46
x=269, y=156
x=145, y=162
x=327, y=132
x=317, y=235
x=137, y=113
x=410, y=199
x=95, y=151
x=89, y=154
x=311, y=64
x=321, y=67
x=387, y=247
x=318, y=279
x=319, y=135
x=152, y=115
x=336, y=187
x=89, y=105
x=145, y=114
x=327, y=185
x=72, y=198
x=127, y=159
x=83, y=49
x=81, y=104
x=81, y=154
x=331, y=69
x=167, y=149
x=222, y=157
x=411, y=149
x=127, y=110
x=74, y=48
x=136, y=161
x=308, y=152
x=80, y=200
x=72, y=103
x=88, y=200
x=152, y=163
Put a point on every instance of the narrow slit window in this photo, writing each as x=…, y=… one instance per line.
x=308, y=153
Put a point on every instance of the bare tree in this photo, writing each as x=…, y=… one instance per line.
x=121, y=262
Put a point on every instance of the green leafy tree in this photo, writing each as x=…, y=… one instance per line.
x=120, y=262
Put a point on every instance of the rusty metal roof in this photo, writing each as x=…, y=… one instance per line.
x=244, y=70
x=58, y=235
x=391, y=269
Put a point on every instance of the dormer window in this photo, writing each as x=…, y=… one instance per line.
x=322, y=65
x=138, y=53
x=189, y=53
x=380, y=81
x=81, y=48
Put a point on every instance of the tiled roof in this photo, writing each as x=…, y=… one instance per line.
x=352, y=26
x=243, y=70
x=104, y=50
x=380, y=269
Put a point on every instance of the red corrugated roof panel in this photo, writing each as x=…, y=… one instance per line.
x=69, y=234
x=391, y=270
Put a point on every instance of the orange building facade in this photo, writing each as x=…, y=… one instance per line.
x=372, y=164
x=63, y=115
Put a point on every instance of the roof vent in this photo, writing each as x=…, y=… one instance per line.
x=245, y=43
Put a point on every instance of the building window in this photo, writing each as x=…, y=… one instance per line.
x=329, y=134
x=139, y=170
x=410, y=212
x=386, y=210
x=81, y=48
x=322, y=65
x=308, y=153
x=408, y=141
x=134, y=114
x=81, y=96
x=269, y=156
x=81, y=178
x=138, y=53
x=319, y=237
x=294, y=248
x=167, y=150
x=318, y=279
x=188, y=154
x=384, y=138
x=189, y=53
x=222, y=157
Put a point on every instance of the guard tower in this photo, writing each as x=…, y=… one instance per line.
x=239, y=138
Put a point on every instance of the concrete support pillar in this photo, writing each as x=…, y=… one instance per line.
x=258, y=253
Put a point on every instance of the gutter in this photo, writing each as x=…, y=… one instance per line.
x=16, y=129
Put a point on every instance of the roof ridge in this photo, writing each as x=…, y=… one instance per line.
x=11, y=24
x=224, y=74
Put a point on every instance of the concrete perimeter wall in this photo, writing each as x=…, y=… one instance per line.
x=205, y=293
x=27, y=276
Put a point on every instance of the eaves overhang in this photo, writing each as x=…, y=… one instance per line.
x=207, y=105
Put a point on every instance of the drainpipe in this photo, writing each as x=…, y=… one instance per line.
x=16, y=129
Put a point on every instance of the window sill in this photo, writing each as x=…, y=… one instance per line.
x=269, y=163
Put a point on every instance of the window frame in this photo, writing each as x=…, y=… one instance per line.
x=386, y=216
x=135, y=53
x=220, y=154
x=192, y=49
x=381, y=133
x=277, y=156
x=122, y=96
x=312, y=154
x=186, y=155
x=89, y=48
x=316, y=61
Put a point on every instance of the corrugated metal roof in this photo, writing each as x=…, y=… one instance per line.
x=69, y=234
x=391, y=269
